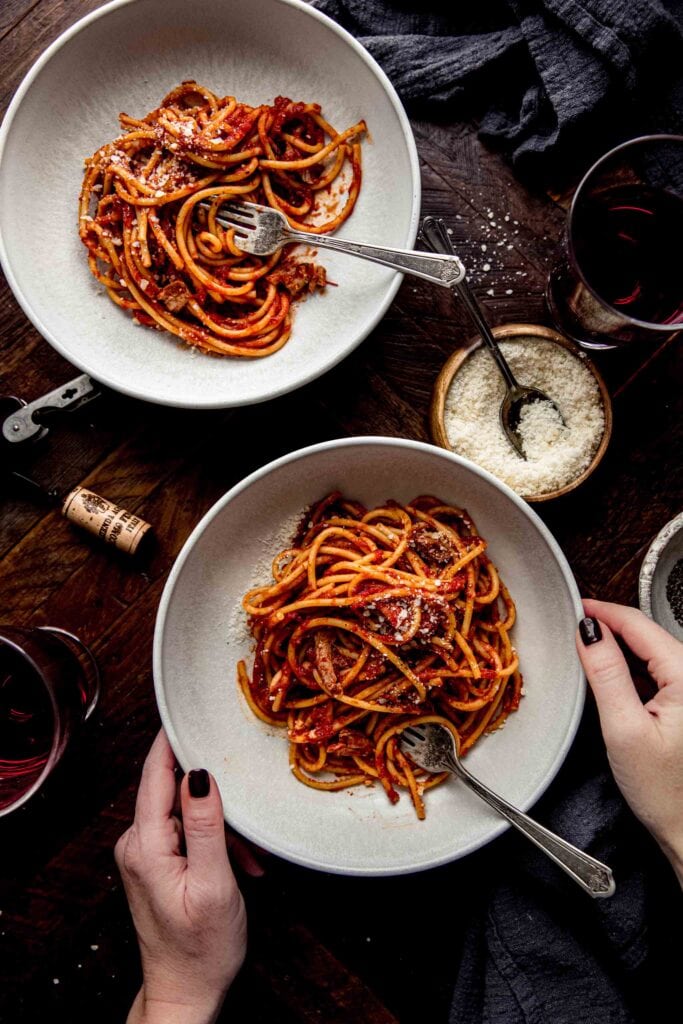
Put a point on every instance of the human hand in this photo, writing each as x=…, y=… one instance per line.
x=188, y=911
x=644, y=741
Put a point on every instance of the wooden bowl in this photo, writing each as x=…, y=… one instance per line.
x=506, y=332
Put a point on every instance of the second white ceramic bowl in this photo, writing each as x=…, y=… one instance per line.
x=201, y=633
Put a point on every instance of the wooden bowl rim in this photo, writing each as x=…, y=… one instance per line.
x=504, y=332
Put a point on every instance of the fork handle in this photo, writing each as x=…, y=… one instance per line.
x=593, y=876
x=439, y=268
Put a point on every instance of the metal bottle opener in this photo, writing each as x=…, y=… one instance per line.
x=28, y=423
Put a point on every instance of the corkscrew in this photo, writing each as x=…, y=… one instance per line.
x=26, y=423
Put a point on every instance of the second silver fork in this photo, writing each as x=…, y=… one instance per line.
x=432, y=747
x=261, y=230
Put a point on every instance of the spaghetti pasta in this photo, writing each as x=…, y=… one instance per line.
x=148, y=205
x=376, y=620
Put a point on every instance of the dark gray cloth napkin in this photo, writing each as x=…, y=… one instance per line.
x=538, y=950
x=553, y=82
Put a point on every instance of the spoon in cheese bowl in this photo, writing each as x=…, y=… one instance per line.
x=517, y=396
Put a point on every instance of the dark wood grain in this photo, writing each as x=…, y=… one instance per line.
x=67, y=949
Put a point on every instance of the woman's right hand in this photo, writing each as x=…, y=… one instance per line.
x=644, y=741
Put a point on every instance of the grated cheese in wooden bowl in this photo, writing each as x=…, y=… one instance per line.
x=556, y=454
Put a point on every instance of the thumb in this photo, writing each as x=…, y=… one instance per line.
x=618, y=703
x=203, y=826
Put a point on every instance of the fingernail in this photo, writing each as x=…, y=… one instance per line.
x=590, y=631
x=198, y=782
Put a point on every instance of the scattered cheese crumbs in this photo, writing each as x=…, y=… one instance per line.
x=55, y=981
x=270, y=544
x=486, y=267
x=556, y=454
x=94, y=948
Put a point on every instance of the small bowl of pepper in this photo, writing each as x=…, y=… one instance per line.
x=660, y=586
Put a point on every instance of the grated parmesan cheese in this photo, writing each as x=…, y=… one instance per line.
x=261, y=575
x=556, y=454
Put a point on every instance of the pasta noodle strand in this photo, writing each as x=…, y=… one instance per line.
x=164, y=257
x=377, y=620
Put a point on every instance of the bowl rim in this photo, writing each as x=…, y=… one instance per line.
x=349, y=443
x=504, y=332
x=648, y=567
x=130, y=389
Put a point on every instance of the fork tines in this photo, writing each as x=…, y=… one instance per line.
x=242, y=213
x=413, y=735
x=243, y=207
x=237, y=213
x=234, y=219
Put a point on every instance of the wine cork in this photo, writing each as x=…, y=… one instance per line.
x=111, y=523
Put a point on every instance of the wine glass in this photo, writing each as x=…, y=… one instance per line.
x=49, y=685
x=618, y=273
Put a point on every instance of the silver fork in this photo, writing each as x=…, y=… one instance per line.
x=432, y=747
x=262, y=230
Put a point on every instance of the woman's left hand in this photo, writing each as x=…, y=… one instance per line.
x=187, y=909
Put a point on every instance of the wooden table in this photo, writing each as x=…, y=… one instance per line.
x=338, y=953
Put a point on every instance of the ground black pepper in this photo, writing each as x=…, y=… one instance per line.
x=674, y=591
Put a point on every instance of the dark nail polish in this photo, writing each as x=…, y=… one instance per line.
x=590, y=631
x=198, y=782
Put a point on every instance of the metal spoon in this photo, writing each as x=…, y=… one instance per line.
x=435, y=235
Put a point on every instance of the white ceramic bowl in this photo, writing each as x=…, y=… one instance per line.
x=125, y=57
x=201, y=634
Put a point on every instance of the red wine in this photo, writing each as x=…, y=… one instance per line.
x=628, y=245
x=26, y=726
